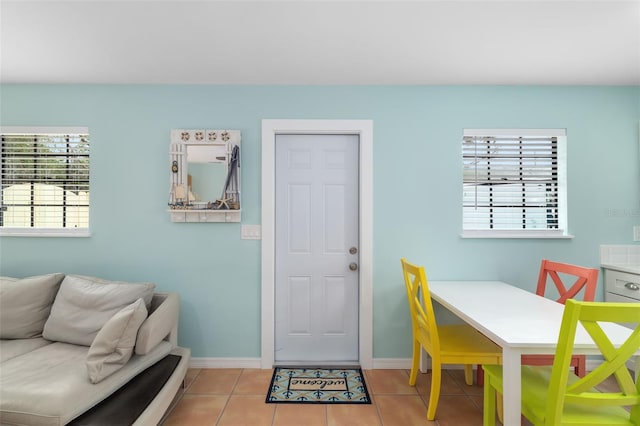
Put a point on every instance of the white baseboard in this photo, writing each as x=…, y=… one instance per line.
x=224, y=363
x=378, y=363
x=391, y=363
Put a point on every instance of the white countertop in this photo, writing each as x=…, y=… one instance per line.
x=630, y=269
x=624, y=258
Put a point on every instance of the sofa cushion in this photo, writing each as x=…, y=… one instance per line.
x=49, y=386
x=113, y=345
x=84, y=304
x=25, y=304
x=11, y=348
x=162, y=320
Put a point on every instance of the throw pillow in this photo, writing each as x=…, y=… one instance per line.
x=114, y=343
x=84, y=304
x=25, y=304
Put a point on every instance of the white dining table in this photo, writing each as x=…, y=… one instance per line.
x=517, y=320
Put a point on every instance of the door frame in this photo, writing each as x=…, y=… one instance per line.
x=363, y=128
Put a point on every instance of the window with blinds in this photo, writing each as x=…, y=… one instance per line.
x=45, y=181
x=514, y=183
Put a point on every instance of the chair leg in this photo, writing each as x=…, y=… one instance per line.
x=436, y=379
x=500, y=404
x=415, y=361
x=480, y=375
x=489, y=404
x=468, y=374
x=581, y=368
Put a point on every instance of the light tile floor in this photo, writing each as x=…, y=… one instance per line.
x=236, y=397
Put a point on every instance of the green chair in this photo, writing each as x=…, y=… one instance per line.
x=554, y=395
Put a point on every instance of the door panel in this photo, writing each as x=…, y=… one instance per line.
x=316, y=294
x=335, y=305
x=299, y=214
x=299, y=305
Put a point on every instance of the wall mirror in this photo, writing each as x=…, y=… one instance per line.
x=204, y=175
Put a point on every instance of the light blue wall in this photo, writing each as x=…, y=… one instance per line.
x=417, y=190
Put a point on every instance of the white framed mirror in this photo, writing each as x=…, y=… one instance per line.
x=204, y=175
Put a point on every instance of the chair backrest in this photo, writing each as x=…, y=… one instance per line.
x=585, y=278
x=562, y=390
x=423, y=318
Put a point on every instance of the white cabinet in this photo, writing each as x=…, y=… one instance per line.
x=621, y=286
x=621, y=266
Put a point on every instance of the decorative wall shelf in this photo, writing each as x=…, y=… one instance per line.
x=204, y=176
x=204, y=215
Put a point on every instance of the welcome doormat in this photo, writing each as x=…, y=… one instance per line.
x=318, y=386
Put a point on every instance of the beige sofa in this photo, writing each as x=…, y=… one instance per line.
x=72, y=345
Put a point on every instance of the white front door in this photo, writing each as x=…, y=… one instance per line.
x=316, y=248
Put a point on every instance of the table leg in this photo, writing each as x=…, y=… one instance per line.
x=511, y=380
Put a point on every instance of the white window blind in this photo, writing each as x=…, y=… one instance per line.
x=45, y=181
x=514, y=181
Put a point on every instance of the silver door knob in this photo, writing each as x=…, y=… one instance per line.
x=353, y=266
x=353, y=250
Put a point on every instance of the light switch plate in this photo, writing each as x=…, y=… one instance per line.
x=251, y=232
x=636, y=233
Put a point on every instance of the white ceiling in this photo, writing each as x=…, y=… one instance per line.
x=553, y=42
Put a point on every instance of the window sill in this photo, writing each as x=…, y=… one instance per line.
x=44, y=232
x=515, y=234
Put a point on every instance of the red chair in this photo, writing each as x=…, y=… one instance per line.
x=586, y=280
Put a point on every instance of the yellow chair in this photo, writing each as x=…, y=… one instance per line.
x=556, y=396
x=446, y=344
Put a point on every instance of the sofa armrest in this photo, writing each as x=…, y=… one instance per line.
x=162, y=324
